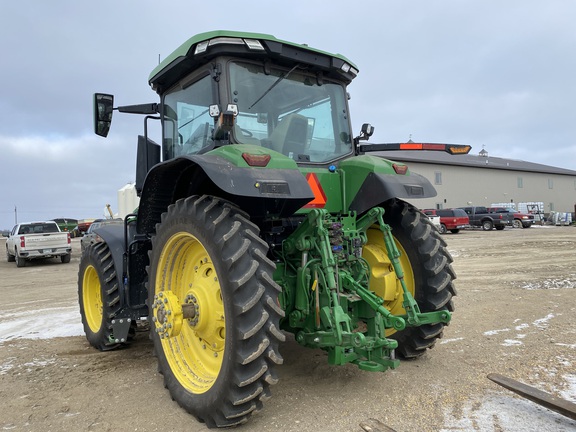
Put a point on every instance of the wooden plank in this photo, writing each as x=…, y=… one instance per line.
x=559, y=405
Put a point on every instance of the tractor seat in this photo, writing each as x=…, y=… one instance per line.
x=289, y=137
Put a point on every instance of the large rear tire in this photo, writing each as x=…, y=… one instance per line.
x=428, y=273
x=98, y=296
x=219, y=364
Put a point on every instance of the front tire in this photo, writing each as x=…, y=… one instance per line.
x=219, y=364
x=428, y=271
x=98, y=296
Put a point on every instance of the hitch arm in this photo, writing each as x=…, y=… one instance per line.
x=413, y=315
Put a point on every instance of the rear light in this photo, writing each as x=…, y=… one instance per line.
x=256, y=160
x=22, y=241
x=400, y=169
x=68, y=235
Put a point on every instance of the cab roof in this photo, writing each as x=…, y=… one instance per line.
x=202, y=48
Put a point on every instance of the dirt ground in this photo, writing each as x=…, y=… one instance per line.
x=514, y=316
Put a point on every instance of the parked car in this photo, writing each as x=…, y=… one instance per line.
x=452, y=220
x=521, y=220
x=35, y=240
x=90, y=236
x=480, y=217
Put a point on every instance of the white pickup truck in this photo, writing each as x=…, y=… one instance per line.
x=32, y=240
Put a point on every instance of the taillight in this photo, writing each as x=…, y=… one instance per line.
x=400, y=169
x=68, y=235
x=257, y=160
x=22, y=241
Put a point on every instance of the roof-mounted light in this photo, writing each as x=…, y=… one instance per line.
x=252, y=44
x=201, y=47
x=345, y=67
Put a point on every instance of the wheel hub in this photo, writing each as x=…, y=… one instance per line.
x=167, y=314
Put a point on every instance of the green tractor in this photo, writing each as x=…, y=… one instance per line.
x=261, y=214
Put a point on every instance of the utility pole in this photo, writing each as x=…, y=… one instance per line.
x=15, y=215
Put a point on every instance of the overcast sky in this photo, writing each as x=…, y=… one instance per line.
x=493, y=73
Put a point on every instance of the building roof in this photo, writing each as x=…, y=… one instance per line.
x=471, y=160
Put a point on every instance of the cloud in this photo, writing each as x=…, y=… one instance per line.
x=49, y=177
x=491, y=73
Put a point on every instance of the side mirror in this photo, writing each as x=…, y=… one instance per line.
x=103, y=107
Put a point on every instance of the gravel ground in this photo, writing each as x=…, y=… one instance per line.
x=515, y=316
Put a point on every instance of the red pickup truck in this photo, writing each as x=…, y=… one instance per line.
x=521, y=220
x=452, y=220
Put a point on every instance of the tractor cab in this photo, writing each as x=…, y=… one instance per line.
x=291, y=111
x=223, y=88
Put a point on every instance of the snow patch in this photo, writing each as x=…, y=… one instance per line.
x=445, y=341
x=506, y=412
x=41, y=323
x=511, y=342
x=494, y=332
x=542, y=323
x=550, y=284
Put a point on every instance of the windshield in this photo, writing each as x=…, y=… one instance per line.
x=290, y=111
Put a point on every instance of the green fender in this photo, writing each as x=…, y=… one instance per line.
x=371, y=180
x=278, y=189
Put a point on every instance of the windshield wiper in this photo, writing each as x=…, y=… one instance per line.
x=274, y=84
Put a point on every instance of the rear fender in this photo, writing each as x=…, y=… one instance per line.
x=278, y=189
x=377, y=188
x=371, y=180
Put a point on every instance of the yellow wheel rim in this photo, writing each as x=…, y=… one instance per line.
x=92, y=299
x=383, y=279
x=186, y=275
